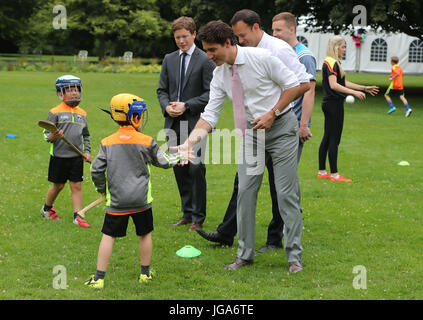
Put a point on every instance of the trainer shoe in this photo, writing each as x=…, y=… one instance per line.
x=144, y=278
x=323, y=176
x=340, y=178
x=408, y=112
x=81, y=222
x=52, y=214
x=392, y=110
x=96, y=284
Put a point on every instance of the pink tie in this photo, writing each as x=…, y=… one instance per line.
x=238, y=101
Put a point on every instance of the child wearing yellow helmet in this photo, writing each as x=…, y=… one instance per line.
x=121, y=171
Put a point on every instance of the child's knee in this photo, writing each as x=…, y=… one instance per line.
x=58, y=186
x=147, y=235
x=76, y=186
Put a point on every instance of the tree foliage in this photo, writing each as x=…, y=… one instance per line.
x=110, y=27
x=388, y=15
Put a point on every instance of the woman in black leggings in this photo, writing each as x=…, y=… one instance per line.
x=335, y=89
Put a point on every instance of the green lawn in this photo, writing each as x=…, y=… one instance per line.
x=376, y=221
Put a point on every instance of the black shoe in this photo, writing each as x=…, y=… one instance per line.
x=268, y=247
x=216, y=237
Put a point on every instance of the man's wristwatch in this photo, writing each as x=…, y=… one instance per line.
x=187, y=106
x=277, y=113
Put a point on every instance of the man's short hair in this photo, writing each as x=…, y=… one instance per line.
x=288, y=17
x=216, y=32
x=247, y=16
x=395, y=59
x=184, y=23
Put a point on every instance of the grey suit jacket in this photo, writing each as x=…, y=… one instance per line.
x=196, y=85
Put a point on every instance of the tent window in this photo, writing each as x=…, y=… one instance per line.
x=303, y=40
x=415, y=53
x=378, y=50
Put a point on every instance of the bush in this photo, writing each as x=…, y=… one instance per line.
x=107, y=69
x=107, y=65
x=30, y=67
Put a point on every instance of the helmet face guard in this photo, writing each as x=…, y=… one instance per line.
x=138, y=115
x=69, y=90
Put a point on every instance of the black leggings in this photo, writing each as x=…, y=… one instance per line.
x=334, y=122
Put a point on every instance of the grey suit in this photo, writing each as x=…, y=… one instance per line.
x=191, y=179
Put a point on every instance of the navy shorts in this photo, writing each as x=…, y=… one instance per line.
x=61, y=170
x=395, y=92
x=116, y=225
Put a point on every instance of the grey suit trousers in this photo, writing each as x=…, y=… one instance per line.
x=281, y=144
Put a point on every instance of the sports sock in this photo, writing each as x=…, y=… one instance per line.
x=99, y=275
x=47, y=208
x=145, y=270
x=391, y=105
x=407, y=107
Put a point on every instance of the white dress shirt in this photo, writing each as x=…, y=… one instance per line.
x=286, y=54
x=263, y=77
x=189, y=53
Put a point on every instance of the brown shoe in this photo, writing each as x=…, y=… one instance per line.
x=295, y=266
x=238, y=263
x=195, y=226
x=182, y=222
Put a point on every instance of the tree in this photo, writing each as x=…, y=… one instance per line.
x=97, y=23
x=336, y=16
x=204, y=11
x=116, y=20
x=13, y=21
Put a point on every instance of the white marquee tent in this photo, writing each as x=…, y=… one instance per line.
x=374, y=53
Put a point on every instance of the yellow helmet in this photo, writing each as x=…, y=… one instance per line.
x=129, y=107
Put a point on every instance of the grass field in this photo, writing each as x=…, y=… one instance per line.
x=375, y=222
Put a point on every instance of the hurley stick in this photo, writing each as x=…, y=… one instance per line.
x=91, y=205
x=50, y=126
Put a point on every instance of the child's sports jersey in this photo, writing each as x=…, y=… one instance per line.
x=125, y=158
x=397, y=83
x=73, y=122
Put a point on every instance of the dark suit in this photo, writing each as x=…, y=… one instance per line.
x=191, y=179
